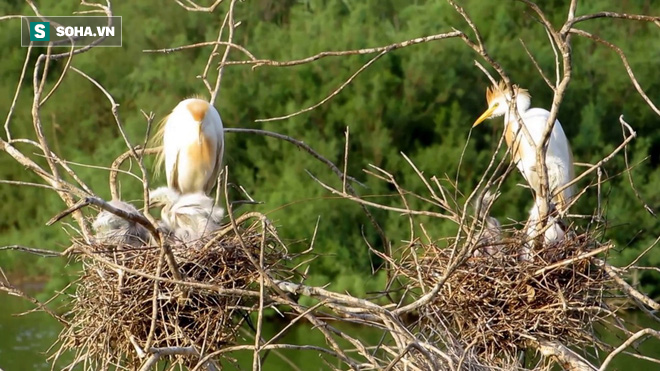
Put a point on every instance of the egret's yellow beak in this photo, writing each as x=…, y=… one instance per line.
x=485, y=115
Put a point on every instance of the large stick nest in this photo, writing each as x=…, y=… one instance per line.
x=495, y=304
x=113, y=306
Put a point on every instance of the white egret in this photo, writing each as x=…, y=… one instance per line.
x=559, y=158
x=193, y=146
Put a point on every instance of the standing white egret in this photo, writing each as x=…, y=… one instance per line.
x=193, y=146
x=559, y=158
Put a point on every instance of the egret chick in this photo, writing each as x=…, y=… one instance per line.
x=193, y=146
x=524, y=152
x=112, y=229
x=492, y=229
x=188, y=216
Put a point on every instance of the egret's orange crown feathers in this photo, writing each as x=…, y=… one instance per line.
x=198, y=109
x=493, y=92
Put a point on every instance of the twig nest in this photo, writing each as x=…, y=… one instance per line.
x=117, y=298
x=496, y=304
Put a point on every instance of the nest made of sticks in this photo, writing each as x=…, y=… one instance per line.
x=113, y=306
x=495, y=304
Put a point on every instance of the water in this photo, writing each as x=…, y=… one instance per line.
x=25, y=339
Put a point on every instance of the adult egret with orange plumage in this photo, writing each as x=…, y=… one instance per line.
x=559, y=158
x=193, y=146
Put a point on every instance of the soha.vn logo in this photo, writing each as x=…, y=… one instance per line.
x=40, y=31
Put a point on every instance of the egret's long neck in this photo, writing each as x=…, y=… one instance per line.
x=523, y=102
x=511, y=123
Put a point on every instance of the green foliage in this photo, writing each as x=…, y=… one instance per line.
x=419, y=100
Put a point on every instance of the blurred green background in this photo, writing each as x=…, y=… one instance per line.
x=420, y=100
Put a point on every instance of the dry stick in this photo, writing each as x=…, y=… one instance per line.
x=399, y=45
x=198, y=45
x=207, y=68
x=38, y=185
x=379, y=206
x=38, y=86
x=402, y=194
x=193, y=7
x=61, y=77
x=403, y=336
x=639, y=334
x=114, y=168
x=332, y=95
x=284, y=358
x=11, y=290
x=230, y=38
x=625, y=287
x=629, y=173
x=567, y=357
x=330, y=296
x=536, y=64
x=41, y=252
x=632, y=17
x=574, y=259
x=154, y=301
x=465, y=250
x=17, y=92
x=12, y=16
x=150, y=120
x=571, y=10
x=256, y=364
x=156, y=353
x=294, y=321
x=133, y=217
x=222, y=232
x=632, y=135
x=388, y=258
x=642, y=254
x=343, y=181
x=626, y=64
